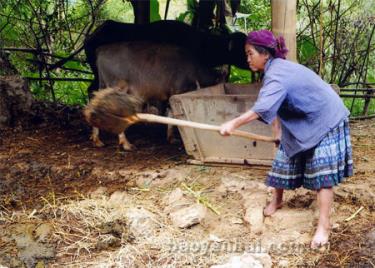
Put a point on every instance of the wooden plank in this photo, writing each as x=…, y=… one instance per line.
x=231, y=162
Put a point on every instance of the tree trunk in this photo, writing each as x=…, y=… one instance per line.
x=141, y=11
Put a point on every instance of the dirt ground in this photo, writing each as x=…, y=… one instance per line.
x=64, y=203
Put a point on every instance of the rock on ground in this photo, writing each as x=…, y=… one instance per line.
x=254, y=204
x=176, y=200
x=247, y=260
x=142, y=222
x=188, y=216
x=32, y=245
x=15, y=99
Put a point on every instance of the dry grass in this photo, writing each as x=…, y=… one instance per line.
x=78, y=229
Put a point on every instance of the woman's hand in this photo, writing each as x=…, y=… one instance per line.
x=227, y=128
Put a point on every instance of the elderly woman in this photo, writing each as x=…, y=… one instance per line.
x=315, y=150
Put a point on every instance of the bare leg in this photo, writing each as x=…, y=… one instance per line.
x=122, y=140
x=325, y=200
x=276, y=203
x=95, y=137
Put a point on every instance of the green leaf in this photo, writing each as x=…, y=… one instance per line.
x=238, y=75
x=154, y=11
x=306, y=49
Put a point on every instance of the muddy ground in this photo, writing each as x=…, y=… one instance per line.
x=64, y=203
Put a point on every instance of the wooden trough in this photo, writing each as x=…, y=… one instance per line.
x=216, y=105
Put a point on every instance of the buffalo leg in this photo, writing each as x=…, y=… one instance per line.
x=170, y=130
x=95, y=137
x=123, y=141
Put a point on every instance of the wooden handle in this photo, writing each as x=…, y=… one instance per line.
x=184, y=123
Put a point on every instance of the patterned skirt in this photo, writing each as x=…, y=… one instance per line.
x=323, y=166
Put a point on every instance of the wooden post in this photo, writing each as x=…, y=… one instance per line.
x=367, y=101
x=284, y=21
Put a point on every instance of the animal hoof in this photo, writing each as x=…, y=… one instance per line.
x=98, y=143
x=174, y=141
x=128, y=148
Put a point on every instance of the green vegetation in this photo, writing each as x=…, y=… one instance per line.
x=334, y=38
x=58, y=28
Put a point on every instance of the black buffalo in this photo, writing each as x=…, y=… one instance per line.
x=157, y=60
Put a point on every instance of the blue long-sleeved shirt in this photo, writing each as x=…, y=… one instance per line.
x=307, y=106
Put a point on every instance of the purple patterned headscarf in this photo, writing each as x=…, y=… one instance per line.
x=266, y=39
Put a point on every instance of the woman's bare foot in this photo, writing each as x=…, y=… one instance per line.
x=275, y=204
x=321, y=236
x=271, y=208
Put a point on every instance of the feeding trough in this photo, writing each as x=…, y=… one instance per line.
x=216, y=105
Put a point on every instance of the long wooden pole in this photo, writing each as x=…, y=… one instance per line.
x=284, y=21
x=185, y=123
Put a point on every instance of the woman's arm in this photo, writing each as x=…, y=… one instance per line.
x=228, y=127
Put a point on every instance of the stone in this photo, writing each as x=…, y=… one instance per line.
x=299, y=220
x=248, y=260
x=254, y=216
x=174, y=196
x=30, y=250
x=283, y=263
x=176, y=200
x=141, y=222
x=233, y=184
x=188, y=216
x=118, y=198
x=15, y=99
x=254, y=204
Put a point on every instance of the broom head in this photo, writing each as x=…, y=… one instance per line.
x=109, y=109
